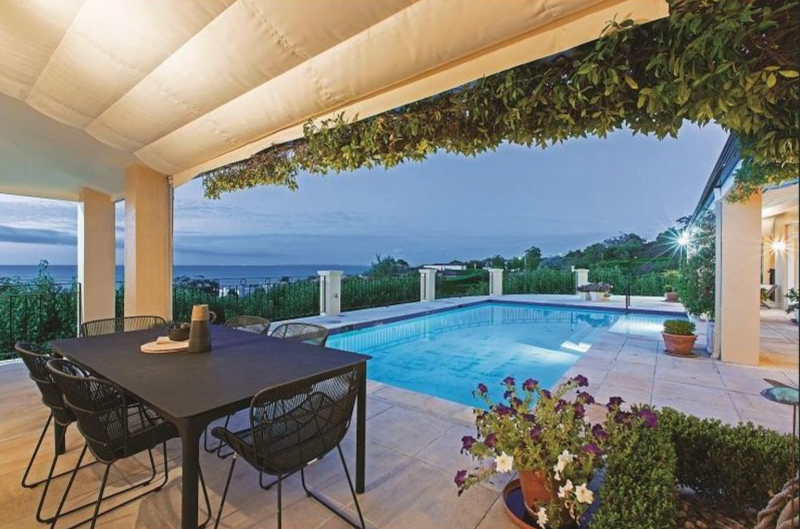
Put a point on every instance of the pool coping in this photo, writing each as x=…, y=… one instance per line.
x=427, y=312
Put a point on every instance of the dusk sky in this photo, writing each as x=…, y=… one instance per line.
x=448, y=207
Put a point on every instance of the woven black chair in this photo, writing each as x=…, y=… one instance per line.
x=243, y=322
x=121, y=324
x=291, y=426
x=115, y=428
x=302, y=332
x=35, y=359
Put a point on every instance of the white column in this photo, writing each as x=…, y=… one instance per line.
x=581, y=276
x=738, y=282
x=427, y=284
x=330, y=292
x=96, y=255
x=148, y=243
x=495, y=281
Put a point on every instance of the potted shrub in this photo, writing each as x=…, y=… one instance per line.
x=584, y=292
x=600, y=291
x=669, y=293
x=793, y=295
x=545, y=438
x=679, y=337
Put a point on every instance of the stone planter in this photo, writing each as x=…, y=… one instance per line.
x=584, y=296
x=598, y=296
x=671, y=296
x=678, y=343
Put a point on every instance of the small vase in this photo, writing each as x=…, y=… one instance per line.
x=534, y=488
x=199, y=332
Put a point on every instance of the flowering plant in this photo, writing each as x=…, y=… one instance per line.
x=535, y=430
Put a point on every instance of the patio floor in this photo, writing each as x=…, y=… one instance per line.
x=413, y=439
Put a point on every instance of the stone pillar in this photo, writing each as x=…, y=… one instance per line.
x=427, y=284
x=330, y=292
x=738, y=280
x=495, y=281
x=96, y=255
x=148, y=243
x=581, y=277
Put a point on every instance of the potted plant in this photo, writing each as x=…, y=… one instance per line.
x=600, y=291
x=584, y=292
x=544, y=437
x=793, y=295
x=679, y=337
x=669, y=293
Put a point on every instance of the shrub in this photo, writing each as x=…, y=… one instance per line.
x=681, y=327
x=639, y=486
x=734, y=467
x=668, y=289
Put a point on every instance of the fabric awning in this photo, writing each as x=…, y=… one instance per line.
x=185, y=86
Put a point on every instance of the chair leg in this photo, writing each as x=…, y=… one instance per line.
x=100, y=496
x=33, y=457
x=221, y=444
x=280, y=502
x=225, y=492
x=330, y=507
x=69, y=486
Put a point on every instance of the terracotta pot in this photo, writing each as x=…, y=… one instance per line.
x=679, y=343
x=671, y=296
x=534, y=488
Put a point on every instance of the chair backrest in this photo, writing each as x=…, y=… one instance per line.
x=247, y=323
x=121, y=324
x=100, y=408
x=294, y=424
x=35, y=359
x=302, y=332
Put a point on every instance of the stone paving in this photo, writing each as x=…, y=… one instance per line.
x=413, y=439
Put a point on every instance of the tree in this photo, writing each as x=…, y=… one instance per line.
x=498, y=261
x=697, y=280
x=533, y=256
x=386, y=266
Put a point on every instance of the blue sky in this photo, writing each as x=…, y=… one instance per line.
x=448, y=207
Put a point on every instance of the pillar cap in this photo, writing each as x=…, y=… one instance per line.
x=330, y=273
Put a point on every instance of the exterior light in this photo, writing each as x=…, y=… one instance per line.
x=778, y=246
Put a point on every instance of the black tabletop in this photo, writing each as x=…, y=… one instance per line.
x=185, y=385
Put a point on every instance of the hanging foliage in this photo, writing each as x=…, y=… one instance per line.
x=733, y=62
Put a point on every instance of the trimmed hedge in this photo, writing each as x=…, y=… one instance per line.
x=639, y=486
x=734, y=467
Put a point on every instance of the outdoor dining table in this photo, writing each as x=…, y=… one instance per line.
x=192, y=389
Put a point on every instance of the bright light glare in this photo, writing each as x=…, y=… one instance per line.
x=779, y=246
x=684, y=239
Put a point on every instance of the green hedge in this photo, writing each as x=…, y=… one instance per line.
x=472, y=283
x=639, y=486
x=651, y=284
x=734, y=467
x=538, y=282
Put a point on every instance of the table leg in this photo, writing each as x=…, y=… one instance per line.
x=61, y=438
x=361, y=433
x=190, y=443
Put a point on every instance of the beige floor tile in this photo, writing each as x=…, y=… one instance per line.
x=721, y=410
x=407, y=431
x=497, y=518
x=401, y=396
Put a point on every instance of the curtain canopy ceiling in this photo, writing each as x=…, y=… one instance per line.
x=184, y=86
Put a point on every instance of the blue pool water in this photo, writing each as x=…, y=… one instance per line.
x=448, y=353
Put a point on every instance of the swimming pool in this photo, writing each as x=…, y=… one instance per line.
x=448, y=353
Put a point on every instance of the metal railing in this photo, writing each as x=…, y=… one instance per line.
x=362, y=292
x=472, y=283
x=38, y=315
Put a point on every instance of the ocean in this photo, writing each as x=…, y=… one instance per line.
x=227, y=274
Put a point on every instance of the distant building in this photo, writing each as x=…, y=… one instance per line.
x=441, y=267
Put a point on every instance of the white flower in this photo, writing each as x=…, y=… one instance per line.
x=504, y=462
x=563, y=459
x=541, y=517
x=564, y=490
x=584, y=495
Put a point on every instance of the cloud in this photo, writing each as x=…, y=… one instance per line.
x=37, y=236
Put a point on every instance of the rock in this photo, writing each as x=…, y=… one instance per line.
x=700, y=524
x=688, y=525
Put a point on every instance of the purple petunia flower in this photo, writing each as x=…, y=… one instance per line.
x=530, y=384
x=535, y=432
x=622, y=417
x=509, y=381
x=502, y=410
x=466, y=443
x=546, y=394
x=461, y=478
x=614, y=402
x=482, y=389
x=560, y=405
x=581, y=380
x=599, y=433
x=591, y=448
x=585, y=397
x=491, y=440
x=580, y=411
x=650, y=419
x=507, y=394
x=517, y=402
